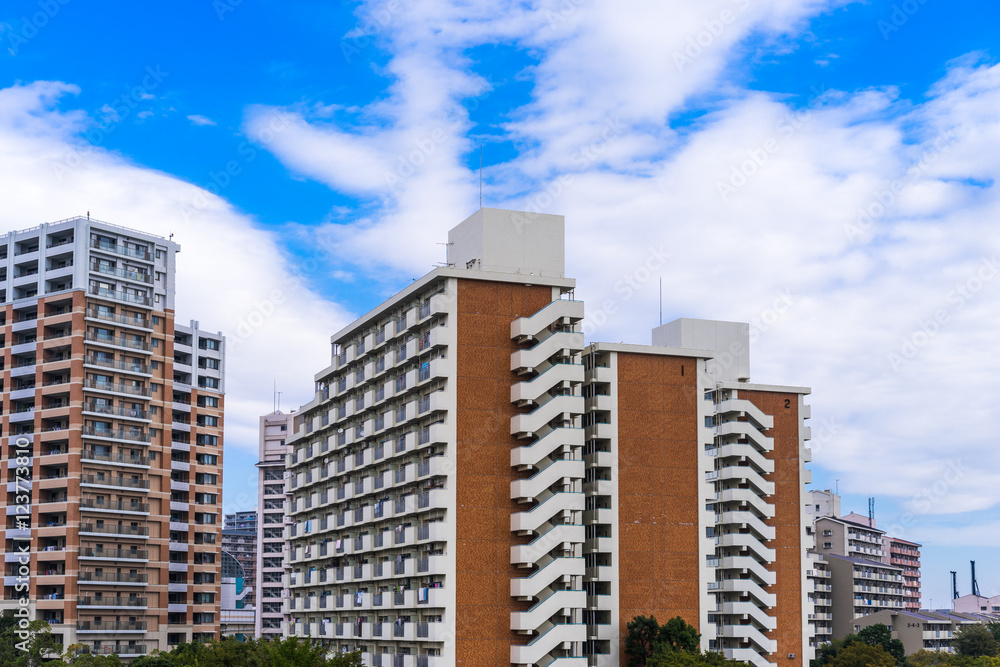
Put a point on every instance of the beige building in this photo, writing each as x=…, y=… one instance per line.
x=474, y=485
x=924, y=630
x=861, y=587
x=112, y=422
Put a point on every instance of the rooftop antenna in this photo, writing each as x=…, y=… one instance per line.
x=447, y=261
x=975, y=584
x=480, y=175
x=88, y=215
x=954, y=585
x=277, y=397
x=871, y=512
x=661, y=301
x=837, y=486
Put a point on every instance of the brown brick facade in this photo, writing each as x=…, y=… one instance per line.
x=658, y=501
x=787, y=521
x=484, y=506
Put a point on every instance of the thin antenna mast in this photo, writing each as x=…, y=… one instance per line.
x=954, y=585
x=480, y=175
x=661, y=301
x=871, y=512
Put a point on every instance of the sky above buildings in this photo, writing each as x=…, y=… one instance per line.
x=824, y=169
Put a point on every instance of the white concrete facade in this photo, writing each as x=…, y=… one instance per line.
x=274, y=429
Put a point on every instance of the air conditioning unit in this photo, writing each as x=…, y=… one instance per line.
x=791, y=656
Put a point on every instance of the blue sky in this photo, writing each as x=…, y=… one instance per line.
x=337, y=142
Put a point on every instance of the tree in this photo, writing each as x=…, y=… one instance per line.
x=994, y=629
x=646, y=636
x=860, y=654
x=666, y=657
x=678, y=635
x=974, y=641
x=925, y=658
x=641, y=640
x=17, y=650
x=289, y=652
x=828, y=652
x=881, y=635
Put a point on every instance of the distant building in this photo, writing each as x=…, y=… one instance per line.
x=924, y=630
x=973, y=604
x=237, y=617
x=241, y=543
x=820, y=593
x=868, y=570
x=241, y=521
x=906, y=555
x=861, y=587
x=270, y=564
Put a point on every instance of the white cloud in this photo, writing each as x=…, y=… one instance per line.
x=860, y=286
x=200, y=120
x=229, y=270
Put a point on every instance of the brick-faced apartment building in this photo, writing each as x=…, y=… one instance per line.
x=473, y=485
x=115, y=411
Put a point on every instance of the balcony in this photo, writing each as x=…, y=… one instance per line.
x=130, y=508
x=126, y=413
x=134, y=578
x=126, y=366
x=120, y=434
x=122, y=273
x=111, y=626
x=130, y=531
x=128, y=343
x=138, y=253
x=127, y=320
x=114, y=554
x=126, y=459
x=126, y=297
x=120, y=388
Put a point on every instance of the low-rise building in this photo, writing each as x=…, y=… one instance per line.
x=861, y=587
x=924, y=630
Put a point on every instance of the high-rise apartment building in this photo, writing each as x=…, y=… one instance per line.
x=271, y=568
x=473, y=485
x=112, y=420
x=906, y=555
x=239, y=539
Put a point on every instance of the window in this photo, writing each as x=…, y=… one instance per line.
x=209, y=402
x=156, y=320
x=208, y=420
x=154, y=364
x=204, y=598
x=207, y=459
x=210, y=383
x=209, y=440
x=203, y=617
x=208, y=344
x=207, y=478
x=204, y=498
x=205, y=362
x=204, y=518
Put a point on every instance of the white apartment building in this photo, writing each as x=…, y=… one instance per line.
x=272, y=594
